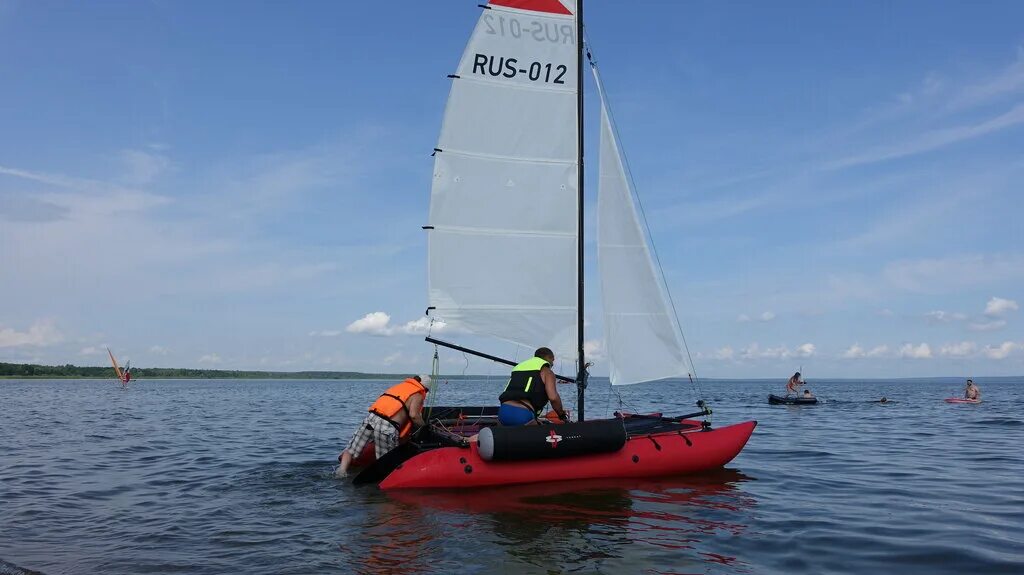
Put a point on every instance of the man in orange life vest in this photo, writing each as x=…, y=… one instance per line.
x=390, y=420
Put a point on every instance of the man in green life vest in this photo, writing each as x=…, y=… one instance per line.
x=531, y=386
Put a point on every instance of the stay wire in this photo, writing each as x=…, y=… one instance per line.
x=435, y=377
x=694, y=379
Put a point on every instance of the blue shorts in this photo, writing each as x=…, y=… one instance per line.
x=512, y=415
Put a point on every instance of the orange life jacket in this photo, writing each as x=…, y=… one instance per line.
x=394, y=400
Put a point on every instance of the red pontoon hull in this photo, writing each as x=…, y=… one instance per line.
x=647, y=455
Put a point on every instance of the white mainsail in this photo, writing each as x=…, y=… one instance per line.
x=641, y=335
x=503, y=205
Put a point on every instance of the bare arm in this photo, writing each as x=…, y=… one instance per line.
x=416, y=409
x=550, y=385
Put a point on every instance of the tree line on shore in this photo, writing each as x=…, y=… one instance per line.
x=69, y=370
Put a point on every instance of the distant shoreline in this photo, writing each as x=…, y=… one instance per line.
x=165, y=378
x=69, y=371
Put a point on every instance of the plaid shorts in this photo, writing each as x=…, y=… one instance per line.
x=378, y=429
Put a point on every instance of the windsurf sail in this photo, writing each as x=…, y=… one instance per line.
x=117, y=368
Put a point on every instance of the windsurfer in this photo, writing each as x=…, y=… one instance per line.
x=390, y=420
x=793, y=383
x=530, y=387
x=972, y=391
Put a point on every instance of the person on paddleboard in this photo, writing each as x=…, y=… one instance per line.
x=530, y=387
x=390, y=420
x=971, y=391
x=793, y=383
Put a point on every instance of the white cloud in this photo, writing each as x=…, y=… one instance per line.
x=1006, y=82
x=422, y=326
x=593, y=350
x=933, y=140
x=987, y=325
x=726, y=352
x=1003, y=350
x=391, y=359
x=210, y=358
x=878, y=351
x=93, y=350
x=142, y=168
x=998, y=307
x=886, y=312
x=373, y=323
x=804, y=350
x=921, y=351
x=325, y=333
x=379, y=323
x=40, y=334
x=765, y=317
x=961, y=349
x=158, y=350
x=855, y=351
x=754, y=351
x=954, y=273
x=945, y=316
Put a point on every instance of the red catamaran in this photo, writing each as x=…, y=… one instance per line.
x=506, y=257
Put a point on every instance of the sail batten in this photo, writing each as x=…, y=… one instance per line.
x=501, y=231
x=520, y=159
x=500, y=84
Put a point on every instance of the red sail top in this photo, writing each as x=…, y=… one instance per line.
x=551, y=6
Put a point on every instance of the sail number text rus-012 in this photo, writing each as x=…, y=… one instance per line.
x=510, y=68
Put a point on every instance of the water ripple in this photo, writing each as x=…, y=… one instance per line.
x=236, y=476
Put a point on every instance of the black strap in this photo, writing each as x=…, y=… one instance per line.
x=405, y=408
x=401, y=402
x=387, y=419
x=526, y=403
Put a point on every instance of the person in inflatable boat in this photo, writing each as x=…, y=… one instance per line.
x=390, y=420
x=530, y=387
x=793, y=383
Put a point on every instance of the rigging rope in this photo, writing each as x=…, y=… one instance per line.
x=435, y=377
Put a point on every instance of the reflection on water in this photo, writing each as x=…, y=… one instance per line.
x=394, y=538
x=579, y=526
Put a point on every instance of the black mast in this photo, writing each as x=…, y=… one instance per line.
x=581, y=373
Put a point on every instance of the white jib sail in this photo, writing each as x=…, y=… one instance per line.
x=642, y=336
x=503, y=204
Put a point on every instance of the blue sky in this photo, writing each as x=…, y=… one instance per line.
x=833, y=185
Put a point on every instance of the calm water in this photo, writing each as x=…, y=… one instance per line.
x=236, y=477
